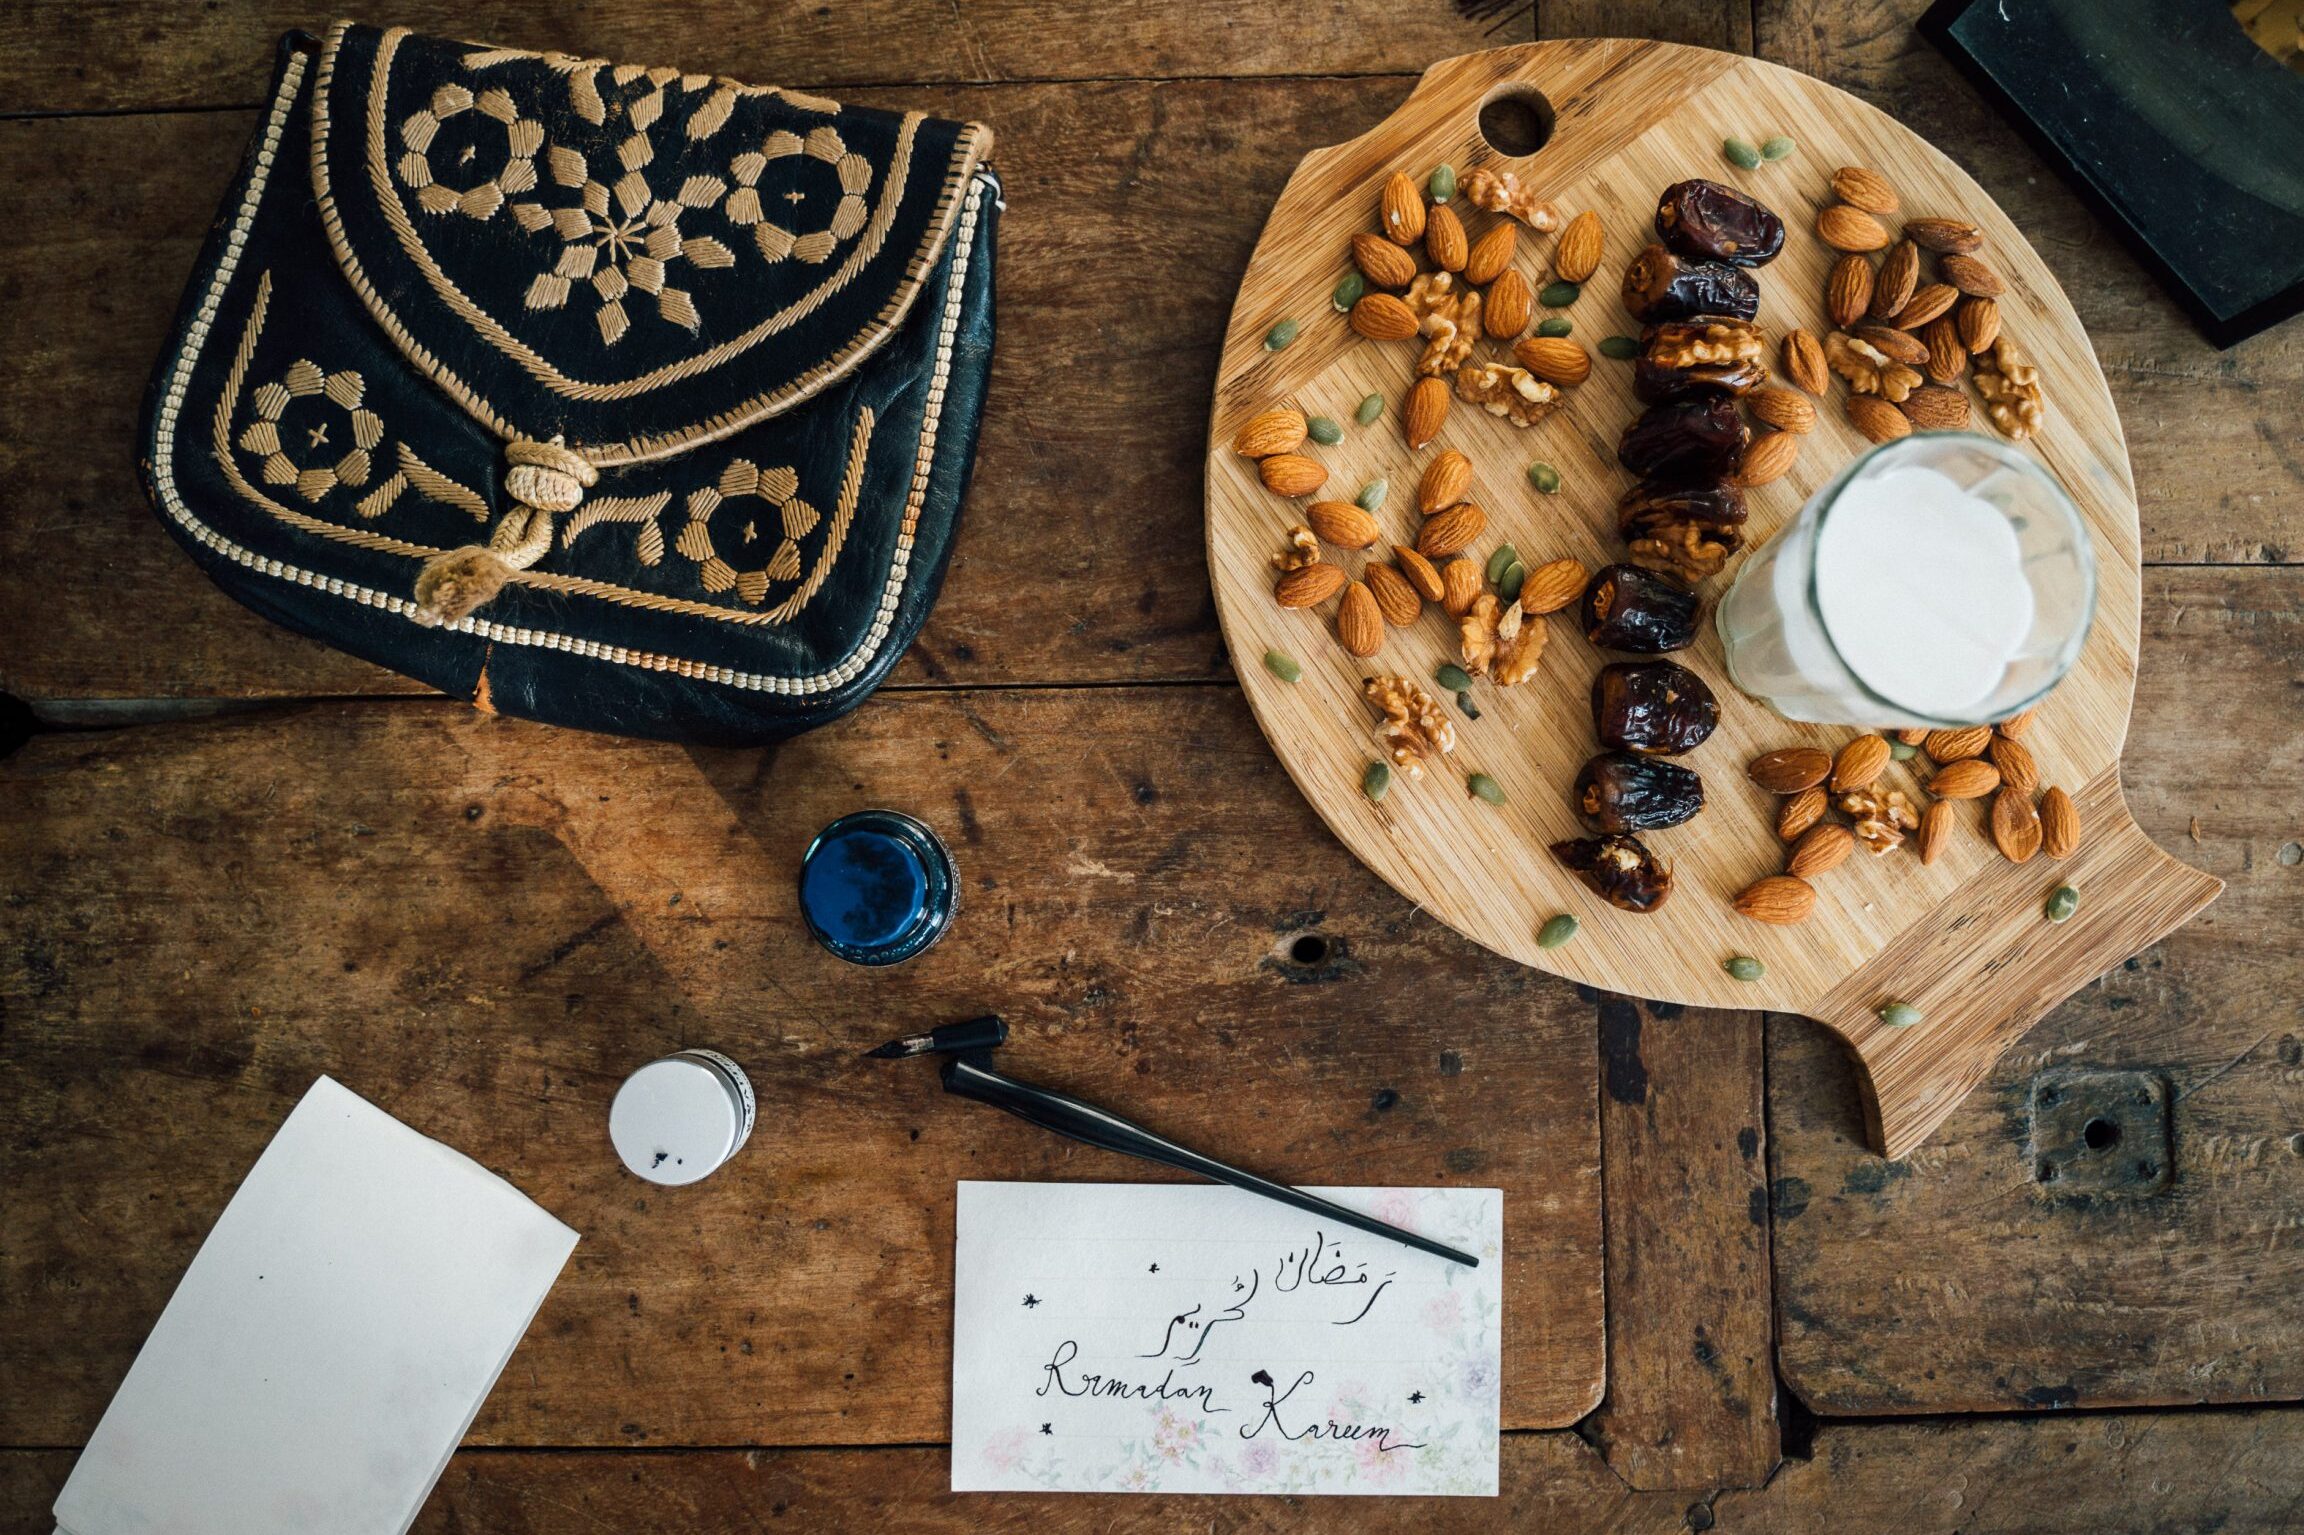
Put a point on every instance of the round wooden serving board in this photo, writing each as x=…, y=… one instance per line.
x=1964, y=941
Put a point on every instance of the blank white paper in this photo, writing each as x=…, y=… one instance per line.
x=1194, y=1338
x=330, y=1343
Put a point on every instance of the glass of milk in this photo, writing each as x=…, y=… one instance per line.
x=1941, y=580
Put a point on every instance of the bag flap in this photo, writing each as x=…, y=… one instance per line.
x=632, y=260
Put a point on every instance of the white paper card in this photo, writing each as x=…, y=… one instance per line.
x=329, y=1344
x=1116, y=1337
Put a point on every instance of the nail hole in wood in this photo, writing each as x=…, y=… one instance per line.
x=1311, y=949
x=2100, y=1134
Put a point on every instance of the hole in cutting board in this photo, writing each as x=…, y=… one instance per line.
x=1517, y=120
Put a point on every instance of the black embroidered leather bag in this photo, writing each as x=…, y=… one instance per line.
x=604, y=395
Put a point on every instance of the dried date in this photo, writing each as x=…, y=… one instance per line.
x=1619, y=791
x=1696, y=439
x=1706, y=221
x=1619, y=869
x=1627, y=608
x=1659, y=286
x=1655, y=708
x=1717, y=504
x=1705, y=356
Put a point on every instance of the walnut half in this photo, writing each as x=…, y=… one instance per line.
x=1868, y=369
x=1882, y=817
x=1501, y=192
x=1301, y=550
x=1693, y=551
x=1413, y=728
x=1448, y=317
x=1502, y=642
x=2010, y=385
x=1503, y=390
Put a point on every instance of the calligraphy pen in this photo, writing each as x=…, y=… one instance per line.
x=968, y=1073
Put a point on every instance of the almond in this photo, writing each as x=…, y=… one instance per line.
x=1899, y=276
x=1576, y=254
x=2015, y=825
x=1450, y=531
x=1444, y=239
x=1969, y=778
x=1934, y=408
x=1953, y=745
x=1912, y=737
x=1490, y=255
x=1419, y=571
x=1275, y=431
x=1384, y=264
x=1786, y=410
x=1789, y=769
x=1425, y=410
x=1947, y=353
x=1867, y=189
x=1930, y=302
x=1979, y=321
x=1907, y=349
x=1848, y=290
x=1768, y=458
x=1971, y=276
x=1555, y=359
x=2059, y=824
x=1860, y=764
x=1850, y=229
x=1878, y=420
x=1400, y=211
x=2014, y=760
x=1935, y=830
x=1308, y=585
x=1804, y=362
x=2015, y=725
x=1821, y=847
x=1383, y=317
x=1780, y=898
x=1460, y=583
x=1359, y=623
x=1445, y=481
x=1342, y=523
x=1800, y=812
x=1292, y=474
x=1552, y=585
x=1943, y=235
x=1395, y=598
x=1510, y=306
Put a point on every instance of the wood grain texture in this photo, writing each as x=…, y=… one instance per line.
x=484, y=925
x=1633, y=118
x=1955, y=1282
x=1691, y=1361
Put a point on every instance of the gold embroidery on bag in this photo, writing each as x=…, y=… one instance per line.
x=429, y=483
x=419, y=132
x=623, y=237
x=775, y=241
x=305, y=456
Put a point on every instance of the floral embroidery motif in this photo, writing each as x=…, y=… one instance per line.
x=776, y=242
x=739, y=482
x=523, y=138
x=297, y=449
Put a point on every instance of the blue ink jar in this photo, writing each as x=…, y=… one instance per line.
x=876, y=887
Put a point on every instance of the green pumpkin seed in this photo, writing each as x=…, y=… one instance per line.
x=1556, y=932
x=1899, y=1015
x=1280, y=335
x=1559, y=295
x=1486, y=788
x=1376, y=780
x=1502, y=560
x=1545, y=478
x=1283, y=666
x=1371, y=497
x=1452, y=677
x=1324, y=431
x=1515, y=577
x=2062, y=902
x=1622, y=348
x=1348, y=292
x=1778, y=148
x=1464, y=702
x=1744, y=967
x=1369, y=410
x=1558, y=325
x=1740, y=153
x=1442, y=184
x=1902, y=751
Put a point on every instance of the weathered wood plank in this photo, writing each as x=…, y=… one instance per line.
x=484, y=925
x=1691, y=1366
x=116, y=55
x=1955, y=1282
x=1724, y=24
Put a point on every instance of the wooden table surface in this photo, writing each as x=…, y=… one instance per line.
x=231, y=859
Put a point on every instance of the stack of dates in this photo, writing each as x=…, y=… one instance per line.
x=1695, y=294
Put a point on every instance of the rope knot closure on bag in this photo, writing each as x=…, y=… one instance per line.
x=544, y=480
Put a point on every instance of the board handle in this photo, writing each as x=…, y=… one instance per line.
x=1988, y=964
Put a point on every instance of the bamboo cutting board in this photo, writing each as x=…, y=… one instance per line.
x=1964, y=941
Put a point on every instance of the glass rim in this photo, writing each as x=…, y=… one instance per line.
x=2075, y=521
